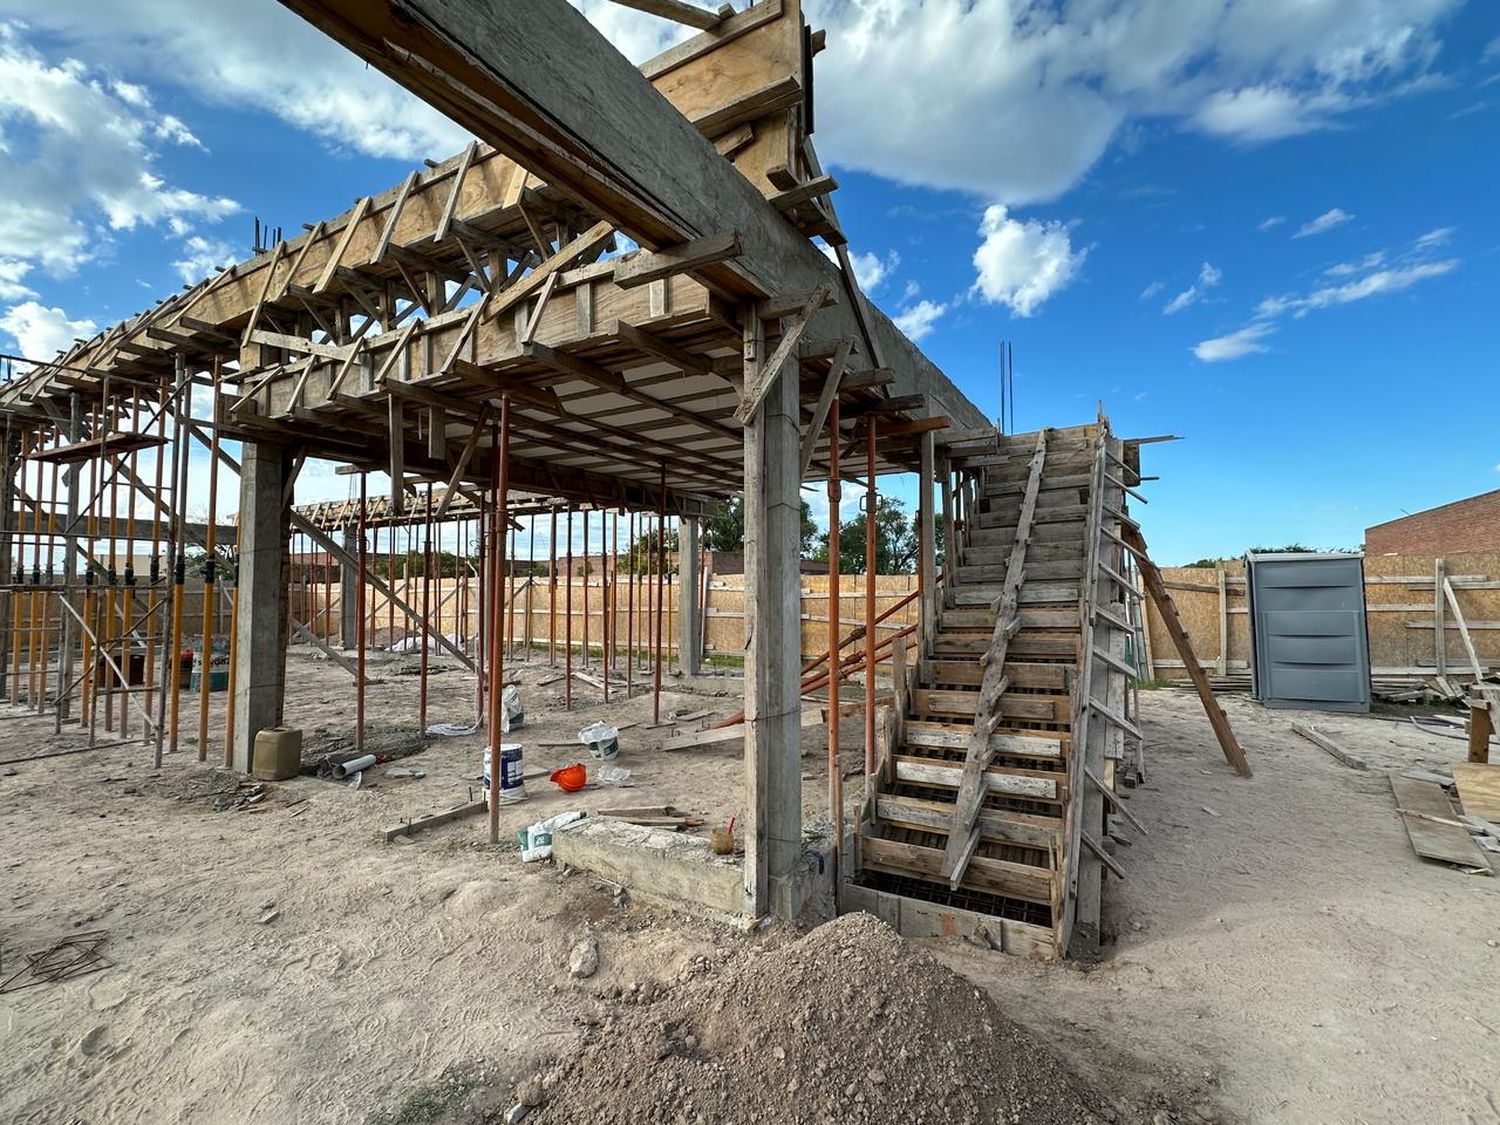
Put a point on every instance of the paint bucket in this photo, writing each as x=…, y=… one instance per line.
x=511, y=771
x=602, y=739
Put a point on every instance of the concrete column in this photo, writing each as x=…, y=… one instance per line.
x=351, y=597
x=773, y=705
x=690, y=619
x=260, y=644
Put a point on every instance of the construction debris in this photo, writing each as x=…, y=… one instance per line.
x=73, y=956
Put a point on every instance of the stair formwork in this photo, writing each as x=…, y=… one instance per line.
x=989, y=811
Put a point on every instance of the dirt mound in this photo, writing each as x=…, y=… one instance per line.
x=848, y=1023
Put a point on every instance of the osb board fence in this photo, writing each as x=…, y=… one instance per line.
x=38, y=614
x=1399, y=614
x=539, y=607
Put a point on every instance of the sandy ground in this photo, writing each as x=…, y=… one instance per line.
x=1278, y=952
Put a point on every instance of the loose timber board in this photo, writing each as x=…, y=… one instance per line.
x=1429, y=839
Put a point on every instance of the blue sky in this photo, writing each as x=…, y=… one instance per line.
x=1268, y=228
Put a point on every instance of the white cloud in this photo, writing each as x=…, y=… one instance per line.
x=1246, y=341
x=1438, y=237
x=203, y=256
x=1271, y=223
x=1152, y=290
x=870, y=269
x=1372, y=276
x=1348, y=269
x=12, y=288
x=1031, y=95
x=1208, y=277
x=257, y=55
x=78, y=161
x=1376, y=284
x=41, y=332
x=918, y=320
x=1022, y=264
x=1329, y=219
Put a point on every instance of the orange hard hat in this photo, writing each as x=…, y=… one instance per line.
x=570, y=779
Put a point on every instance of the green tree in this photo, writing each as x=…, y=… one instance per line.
x=724, y=530
x=642, y=556
x=895, y=541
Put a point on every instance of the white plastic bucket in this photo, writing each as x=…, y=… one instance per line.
x=511, y=769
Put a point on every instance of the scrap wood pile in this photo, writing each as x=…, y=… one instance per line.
x=848, y=1023
x=1432, y=689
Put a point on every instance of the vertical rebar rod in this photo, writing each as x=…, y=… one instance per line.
x=552, y=591
x=630, y=609
x=585, y=589
x=179, y=540
x=661, y=571
x=568, y=622
x=835, y=664
x=210, y=574
x=481, y=625
x=871, y=500
x=497, y=665
x=362, y=558
x=127, y=599
x=426, y=611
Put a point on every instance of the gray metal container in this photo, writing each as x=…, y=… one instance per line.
x=1308, y=642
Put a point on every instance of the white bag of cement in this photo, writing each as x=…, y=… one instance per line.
x=511, y=713
x=536, y=841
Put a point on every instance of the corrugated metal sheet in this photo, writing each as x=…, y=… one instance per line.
x=1309, y=647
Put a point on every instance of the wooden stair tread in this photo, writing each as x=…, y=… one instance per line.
x=1000, y=877
x=1024, y=830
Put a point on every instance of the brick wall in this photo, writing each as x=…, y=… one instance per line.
x=1464, y=525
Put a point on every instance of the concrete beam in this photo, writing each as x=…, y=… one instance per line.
x=261, y=627
x=542, y=85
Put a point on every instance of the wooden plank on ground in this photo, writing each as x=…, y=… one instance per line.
x=1431, y=824
x=1322, y=741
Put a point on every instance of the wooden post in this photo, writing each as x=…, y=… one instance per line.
x=1439, y=626
x=1481, y=727
x=1223, y=661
